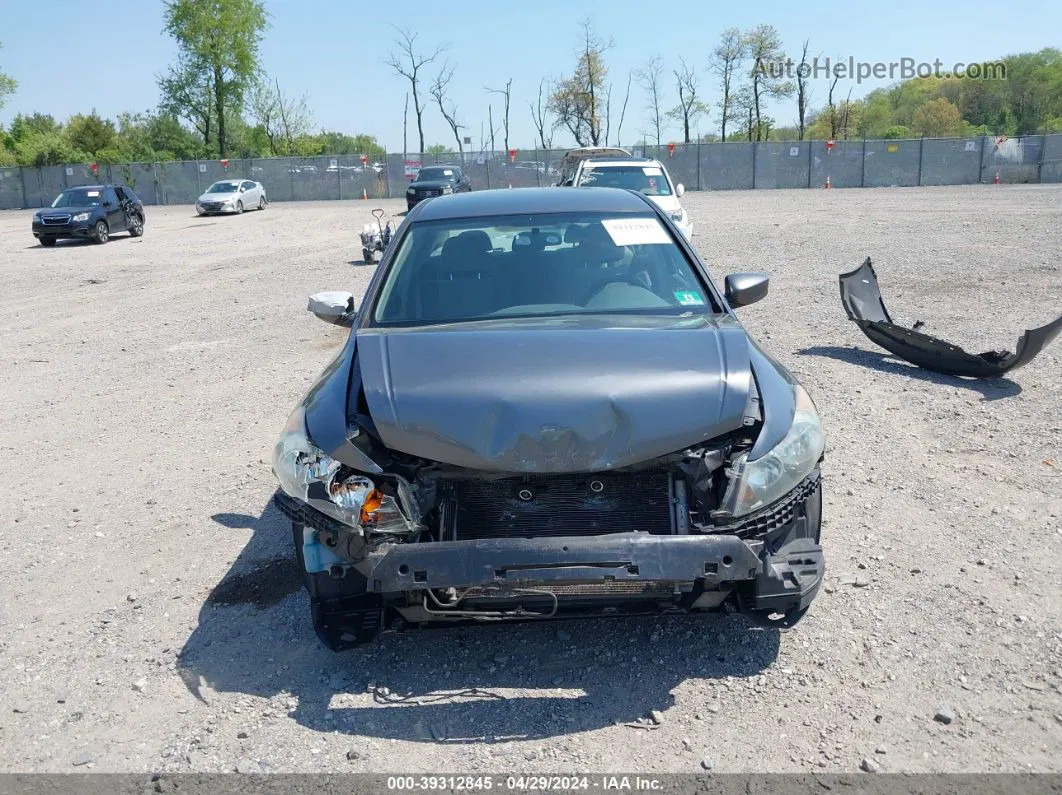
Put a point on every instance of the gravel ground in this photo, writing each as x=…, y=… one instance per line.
x=152, y=618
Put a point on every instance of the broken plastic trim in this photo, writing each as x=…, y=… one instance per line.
x=862, y=301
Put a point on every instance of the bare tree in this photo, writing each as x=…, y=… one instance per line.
x=623, y=111
x=407, y=62
x=726, y=65
x=803, y=93
x=831, y=106
x=538, y=116
x=282, y=118
x=507, y=94
x=690, y=107
x=446, y=107
x=405, y=124
x=651, y=78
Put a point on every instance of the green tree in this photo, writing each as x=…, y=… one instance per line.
x=24, y=127
x=7, y=86
x=897, y=131
x=91, y=134
x=435, y=150
x=578, y=101
x=218, y=42
x=768, y=78
x=937, y=118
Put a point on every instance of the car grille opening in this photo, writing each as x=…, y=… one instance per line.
x=55, y=220
x=563, y=505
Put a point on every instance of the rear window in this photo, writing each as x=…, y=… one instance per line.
x=649, y=180
x=544, y=265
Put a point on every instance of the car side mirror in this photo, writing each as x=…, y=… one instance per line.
x=680, y=190
x=743, y=289
x=243, y=189
x=333, y=306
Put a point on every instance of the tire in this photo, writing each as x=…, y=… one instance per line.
x=239, y=208
x=261, y=203
x=47, y=242
x=102, y=233
x=137, y=229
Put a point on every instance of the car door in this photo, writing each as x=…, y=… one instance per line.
x=114, y=214
x=251, y=195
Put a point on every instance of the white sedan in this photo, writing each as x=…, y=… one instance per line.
x=232, y=196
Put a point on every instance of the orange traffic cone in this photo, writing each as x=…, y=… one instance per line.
x=996, y=180
x=510, y=186
x=827, y=185
x=364, y=194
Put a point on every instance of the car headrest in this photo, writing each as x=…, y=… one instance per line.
x=597, y=242
x=467, y=244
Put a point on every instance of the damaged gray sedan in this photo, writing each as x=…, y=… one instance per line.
x=546, y=408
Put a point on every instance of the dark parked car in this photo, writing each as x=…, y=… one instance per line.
x=546, y=407
x=436, y=181
x=93, y=212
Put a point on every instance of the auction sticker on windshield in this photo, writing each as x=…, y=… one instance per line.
x=689, y=298
x=652, y=171
x=635, y=231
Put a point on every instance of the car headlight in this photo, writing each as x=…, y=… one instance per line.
x=311, y=475
x=755, y=484
x=80, y=217
x=678, y=216
x=410, y=191
x=447, y=189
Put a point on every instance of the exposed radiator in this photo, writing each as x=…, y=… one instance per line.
x=563, y=505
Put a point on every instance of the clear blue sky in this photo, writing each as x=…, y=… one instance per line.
x=334, y=51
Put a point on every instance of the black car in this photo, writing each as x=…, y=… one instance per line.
x=92, y=212
x=436, y=181
x=546, y=407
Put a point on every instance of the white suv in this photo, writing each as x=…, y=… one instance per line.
x=644, y=175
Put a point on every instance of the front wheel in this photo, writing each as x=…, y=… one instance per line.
x=136, y=228
x=261, y=203
x=101, y=234
x=239, y=208
x=47, y=242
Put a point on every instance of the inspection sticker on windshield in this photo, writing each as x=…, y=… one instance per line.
x=689, y=298
x=92, y=193
x=652, y=171
x=635, y=231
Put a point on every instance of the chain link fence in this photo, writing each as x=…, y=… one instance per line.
x=706, y=166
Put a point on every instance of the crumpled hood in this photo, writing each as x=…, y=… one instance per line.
x=555, y=395
x=668, y=204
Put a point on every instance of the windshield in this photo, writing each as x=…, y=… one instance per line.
x=78, y=197
x=541, y=265
x=436, y=175
x=649, y=180
x=222, y=187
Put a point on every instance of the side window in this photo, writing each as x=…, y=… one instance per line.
x=122, y=196
x=248, y=185
x=131, y=196
x=110, y=196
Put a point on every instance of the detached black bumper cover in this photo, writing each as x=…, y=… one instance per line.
x=862, y=301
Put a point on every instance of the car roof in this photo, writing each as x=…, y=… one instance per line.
x=533, y=200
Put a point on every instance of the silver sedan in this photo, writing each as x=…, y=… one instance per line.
x=232, y=196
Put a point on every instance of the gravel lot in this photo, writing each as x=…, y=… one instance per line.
x=151, y=614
